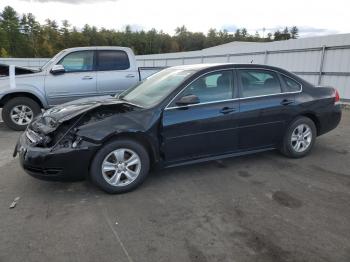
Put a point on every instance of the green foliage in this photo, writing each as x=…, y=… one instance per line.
x=3, y=52
x=23, y=36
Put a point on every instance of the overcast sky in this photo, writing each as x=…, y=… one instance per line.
x=312, y=17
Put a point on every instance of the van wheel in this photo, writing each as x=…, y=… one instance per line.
x=120, y=166
x=299, y=138
x=18, y=112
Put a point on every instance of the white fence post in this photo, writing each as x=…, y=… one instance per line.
x=265, y=57
x=321, y=65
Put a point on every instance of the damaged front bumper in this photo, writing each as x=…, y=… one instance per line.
x=58, y=164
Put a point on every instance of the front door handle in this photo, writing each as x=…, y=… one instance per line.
x=130, y=76
x=87, y=78
x=286, y=102
x=227, y=110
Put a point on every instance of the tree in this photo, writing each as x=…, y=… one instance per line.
x=285, y=35
x=269, y=36
x=244, y=32
x=212, y=38
x=77, y=38
x=4, y=43
x=238, y=34
x=294, y=31
x=277, y=35
x=65, y=34
x=3, y=52
x=181, y=36
x=9, y=22
x=30, y=29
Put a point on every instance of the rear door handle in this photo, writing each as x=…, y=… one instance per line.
x=286, y=102
x=87, y=78
x=227, y=110
x=130, y=76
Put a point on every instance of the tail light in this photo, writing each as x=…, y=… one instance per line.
x=336, y=96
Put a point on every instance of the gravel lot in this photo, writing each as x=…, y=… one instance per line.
x=257, y=208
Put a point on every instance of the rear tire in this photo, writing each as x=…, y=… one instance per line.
x=18, y=112
x=120, y=166
x=299, y=138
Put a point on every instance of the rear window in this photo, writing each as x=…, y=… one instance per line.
x=292, y=85
x=257, y=82
x=112, y=60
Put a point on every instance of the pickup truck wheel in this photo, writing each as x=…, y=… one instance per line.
x=299, y=138
x=18, y=112
x=120, y=166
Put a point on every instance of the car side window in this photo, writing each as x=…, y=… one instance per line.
x=112, y=60
x=212, y=87
x=78, y=61
x=256, y=82
x=291, y=85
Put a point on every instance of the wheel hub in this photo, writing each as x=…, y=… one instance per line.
x=121, y=167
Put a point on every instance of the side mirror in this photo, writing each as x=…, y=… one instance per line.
x=58, y=69
x=188, y=100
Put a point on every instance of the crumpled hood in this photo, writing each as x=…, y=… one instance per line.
x=53, y=117
x=74, y=108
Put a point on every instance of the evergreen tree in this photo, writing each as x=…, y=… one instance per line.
x=10, y=25
x=294, y=31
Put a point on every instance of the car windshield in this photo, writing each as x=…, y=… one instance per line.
x=155, y=88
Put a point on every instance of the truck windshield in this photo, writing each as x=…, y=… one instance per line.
x=51, y=60
x=155, y=88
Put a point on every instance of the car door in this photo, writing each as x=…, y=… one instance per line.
x=114, y=73
x=264, y=108
x=205, y=129
x=78, y=80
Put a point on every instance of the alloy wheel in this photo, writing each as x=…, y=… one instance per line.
x=21, y=115
x=301, y=138
x=121, y=167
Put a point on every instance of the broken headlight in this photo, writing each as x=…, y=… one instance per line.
x=37, y=139
x=44, y=124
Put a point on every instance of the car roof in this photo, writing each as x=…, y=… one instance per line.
x=211, y=66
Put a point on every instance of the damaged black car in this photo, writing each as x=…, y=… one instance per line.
x=180, y=115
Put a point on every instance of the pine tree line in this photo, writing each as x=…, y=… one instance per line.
x=24, y=36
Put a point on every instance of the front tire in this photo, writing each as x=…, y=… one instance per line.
x=120, y=166
x=18, y=112
x=299, y=138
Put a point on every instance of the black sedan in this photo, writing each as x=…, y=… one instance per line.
x=181, y=115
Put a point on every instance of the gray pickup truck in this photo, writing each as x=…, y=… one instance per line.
x=71, y=74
